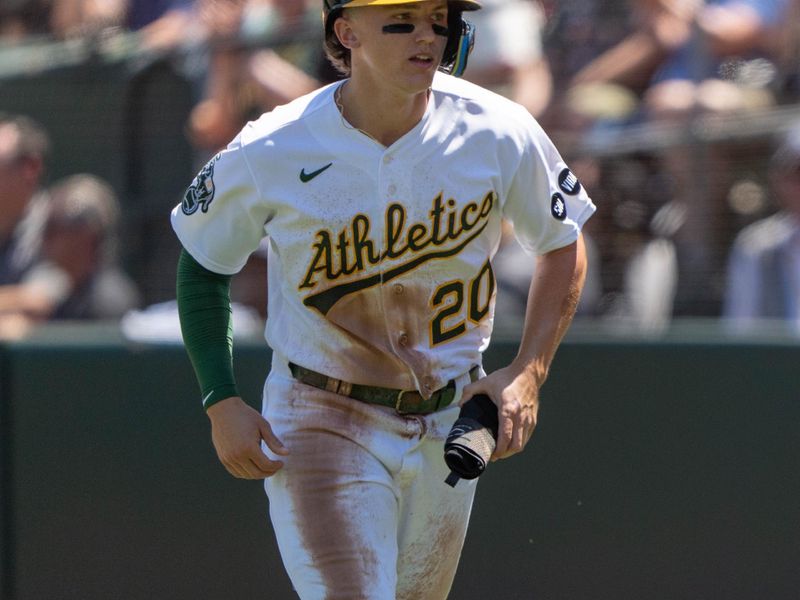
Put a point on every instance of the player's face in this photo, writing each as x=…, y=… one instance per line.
x=385, y=49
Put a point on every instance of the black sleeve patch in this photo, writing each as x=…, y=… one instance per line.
x=568, y=183
x=558, y=208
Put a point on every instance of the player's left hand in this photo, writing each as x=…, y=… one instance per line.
x=515, y=391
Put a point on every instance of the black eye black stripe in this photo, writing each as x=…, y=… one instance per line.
x=409, y=28
x=398, y=28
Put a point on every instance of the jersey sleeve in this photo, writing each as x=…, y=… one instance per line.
x=545, y=201
x=221, y=218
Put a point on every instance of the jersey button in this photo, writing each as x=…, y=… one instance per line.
x=387, y=159
x=403, y=339
x=398, y=289
x=392, y=189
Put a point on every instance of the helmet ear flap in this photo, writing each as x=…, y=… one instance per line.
x=460, y=40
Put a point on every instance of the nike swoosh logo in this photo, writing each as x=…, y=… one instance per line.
x=306, y=177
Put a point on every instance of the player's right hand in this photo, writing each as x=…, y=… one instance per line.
x=236, y=431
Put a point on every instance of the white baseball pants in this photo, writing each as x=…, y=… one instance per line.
x=360, y=509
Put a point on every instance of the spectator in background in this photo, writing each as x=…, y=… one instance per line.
x=508, y=57
x=74, y=18
x=297, y=65
x=689, y=55
x=228, y=98
x=77, y=275
x=142, y=13
x=764, y=264
x=688, y=58
x=24, y=146
x=720, y=60
x=711, y=49
x=163, y=25
x=242, y=82
x=23, y=18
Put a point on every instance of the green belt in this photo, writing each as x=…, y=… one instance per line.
x=403, y=401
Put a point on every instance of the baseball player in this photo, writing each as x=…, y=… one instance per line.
x=381, y=197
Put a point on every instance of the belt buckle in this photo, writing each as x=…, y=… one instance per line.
x=399, y=402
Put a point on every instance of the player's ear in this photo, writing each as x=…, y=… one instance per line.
x=343, y=27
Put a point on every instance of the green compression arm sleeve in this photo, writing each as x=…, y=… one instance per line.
x=204, y=306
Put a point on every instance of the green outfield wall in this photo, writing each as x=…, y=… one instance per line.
x=661, y=468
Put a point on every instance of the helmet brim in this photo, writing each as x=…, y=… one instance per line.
x=458, y=4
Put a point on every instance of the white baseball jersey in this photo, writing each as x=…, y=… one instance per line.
x=380, y=257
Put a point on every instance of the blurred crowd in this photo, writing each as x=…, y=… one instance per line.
x=686, y=225
x=58, y=254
